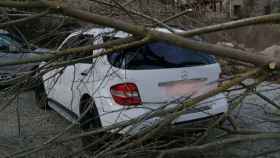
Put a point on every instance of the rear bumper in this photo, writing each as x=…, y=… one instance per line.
x=218, y=105
x=199, y=122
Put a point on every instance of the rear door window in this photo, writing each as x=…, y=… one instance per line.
x=159, y=55
x=79, y=41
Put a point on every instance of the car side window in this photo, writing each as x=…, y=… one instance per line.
x=79, y=41
x=4, y=44
x=8, y=44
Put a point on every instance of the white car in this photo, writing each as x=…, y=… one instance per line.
x=136, y=81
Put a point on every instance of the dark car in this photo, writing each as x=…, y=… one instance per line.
x=13, y=49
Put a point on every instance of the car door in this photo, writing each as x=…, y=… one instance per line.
x=69, y=83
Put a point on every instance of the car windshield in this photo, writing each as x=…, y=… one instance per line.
x=7, y=41
x=159, y=55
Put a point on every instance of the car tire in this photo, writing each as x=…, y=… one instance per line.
x=90, y=121
x=41, y=97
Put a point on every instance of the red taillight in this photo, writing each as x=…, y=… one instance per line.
x=126, y=94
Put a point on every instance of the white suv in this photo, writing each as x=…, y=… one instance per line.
x=131, y=82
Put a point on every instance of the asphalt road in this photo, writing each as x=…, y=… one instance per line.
x=35, y=127
x=257, y=114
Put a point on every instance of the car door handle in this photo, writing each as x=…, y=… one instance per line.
x=84, y=74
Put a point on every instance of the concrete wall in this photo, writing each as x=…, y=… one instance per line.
x=230, y=8
x=248, y=8
x=261, y=7
x=276, y=6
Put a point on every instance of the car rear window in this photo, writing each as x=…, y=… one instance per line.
x=80, y=40
x=159, y=55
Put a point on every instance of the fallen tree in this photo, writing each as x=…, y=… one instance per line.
x=267, y=66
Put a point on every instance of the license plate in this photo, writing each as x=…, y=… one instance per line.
x=183, y=87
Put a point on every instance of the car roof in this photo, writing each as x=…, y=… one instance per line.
x=114, y=33
x=109, y=32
